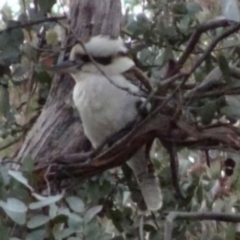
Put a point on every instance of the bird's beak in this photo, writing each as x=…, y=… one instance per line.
x=66, y=67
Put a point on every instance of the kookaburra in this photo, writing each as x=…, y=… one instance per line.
x=106, y=101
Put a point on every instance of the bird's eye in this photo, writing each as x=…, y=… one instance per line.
x=85, y=58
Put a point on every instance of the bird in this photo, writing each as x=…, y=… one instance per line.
x=105, y=94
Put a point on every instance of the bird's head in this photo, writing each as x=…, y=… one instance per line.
x=108, y=54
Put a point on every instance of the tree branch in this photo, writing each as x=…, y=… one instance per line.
x=214, y=43
x=197, y=216
x=214, y=93
x=194, y=40
x=31, y=23
x=208, y=51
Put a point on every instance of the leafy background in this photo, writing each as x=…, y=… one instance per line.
x=104, y=207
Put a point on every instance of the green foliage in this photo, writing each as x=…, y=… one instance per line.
x=46, y=5
x=108, y=206
x=100, y=210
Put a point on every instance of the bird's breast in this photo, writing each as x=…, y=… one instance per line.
x=103, y=107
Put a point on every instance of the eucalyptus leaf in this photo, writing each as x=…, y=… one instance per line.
x=14, y=205
x=10, y=55
x=36, y=15
x=180, y=8
x=37, y=235
x=75, y=222
x=53, y=210
x=60, y=218
x=231, y=232
x=20, y=178
x=199, y=194
x=91, y=213
x=4, y=40
x=46, y=5
x=12, y=23
x=4, y=101
x=15, y=210
x=28, y=164
x=75, y=203
x=216, y=237
x=158, y=235
x=20, y=73
x=37, y=221
x=38, y=196
x=47, y=201
x=17, y=217
x=29, y=51
x=141, y=229
x=193, y=7
x=207, y=113
x=93, y=230
x=118, y=238
x=230, y=10
x=22, y=18
x=61, y=234
x=223, y=65
x=43, y=77
x=232, y=109
x=4, y=175
x=4, y=230
x=11, y=38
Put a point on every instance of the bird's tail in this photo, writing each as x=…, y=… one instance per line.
x=147, y=180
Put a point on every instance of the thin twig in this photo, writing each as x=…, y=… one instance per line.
x=172, y=79
x=155, y=220
x=10, y=162
x=24, y=6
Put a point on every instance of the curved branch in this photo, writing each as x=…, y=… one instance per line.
x=194, y=40
x=196, y=216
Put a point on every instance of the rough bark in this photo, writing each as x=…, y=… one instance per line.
x=58, y=129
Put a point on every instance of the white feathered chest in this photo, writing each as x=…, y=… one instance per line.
x=103, y=107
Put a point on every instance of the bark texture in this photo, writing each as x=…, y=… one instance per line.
x=58, y=129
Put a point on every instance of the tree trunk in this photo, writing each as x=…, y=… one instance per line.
x=58, y=129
